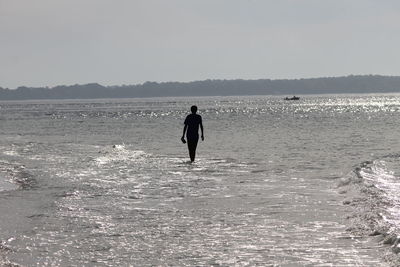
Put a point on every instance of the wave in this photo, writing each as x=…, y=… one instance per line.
x=4, y=251
x=15, y=176
x=119, y=153
x=372, y=190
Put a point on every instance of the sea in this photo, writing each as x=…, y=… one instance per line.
x=108, y=182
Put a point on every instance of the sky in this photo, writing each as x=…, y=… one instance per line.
x=116, y=42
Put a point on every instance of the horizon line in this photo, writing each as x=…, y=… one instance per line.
x=193, y=81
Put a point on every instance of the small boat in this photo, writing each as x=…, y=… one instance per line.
x=292, y=98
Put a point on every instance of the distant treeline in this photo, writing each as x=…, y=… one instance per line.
x=332, y=85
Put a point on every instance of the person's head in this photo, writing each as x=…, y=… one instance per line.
x=193, y=109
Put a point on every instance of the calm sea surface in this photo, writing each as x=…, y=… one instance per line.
x=313, y=182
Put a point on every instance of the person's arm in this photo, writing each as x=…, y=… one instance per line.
x=183, y=135
x=202, y=130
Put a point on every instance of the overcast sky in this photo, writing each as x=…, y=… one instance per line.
x=115, y=42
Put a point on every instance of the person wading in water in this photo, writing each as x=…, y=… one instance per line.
x=192, y=123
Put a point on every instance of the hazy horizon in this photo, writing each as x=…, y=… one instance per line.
x=192, y=81
x=50, y=43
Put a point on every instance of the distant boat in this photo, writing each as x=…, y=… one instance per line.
x=292, y=98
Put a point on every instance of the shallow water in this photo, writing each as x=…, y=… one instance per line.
x=108, y=183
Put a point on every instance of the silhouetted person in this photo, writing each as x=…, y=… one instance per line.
x=192, y=123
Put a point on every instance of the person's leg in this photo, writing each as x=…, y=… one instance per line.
x=192, y=145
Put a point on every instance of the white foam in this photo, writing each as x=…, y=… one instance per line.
x=6, y=185
x=385, y=179
x=120, y=153
x=10, y=153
